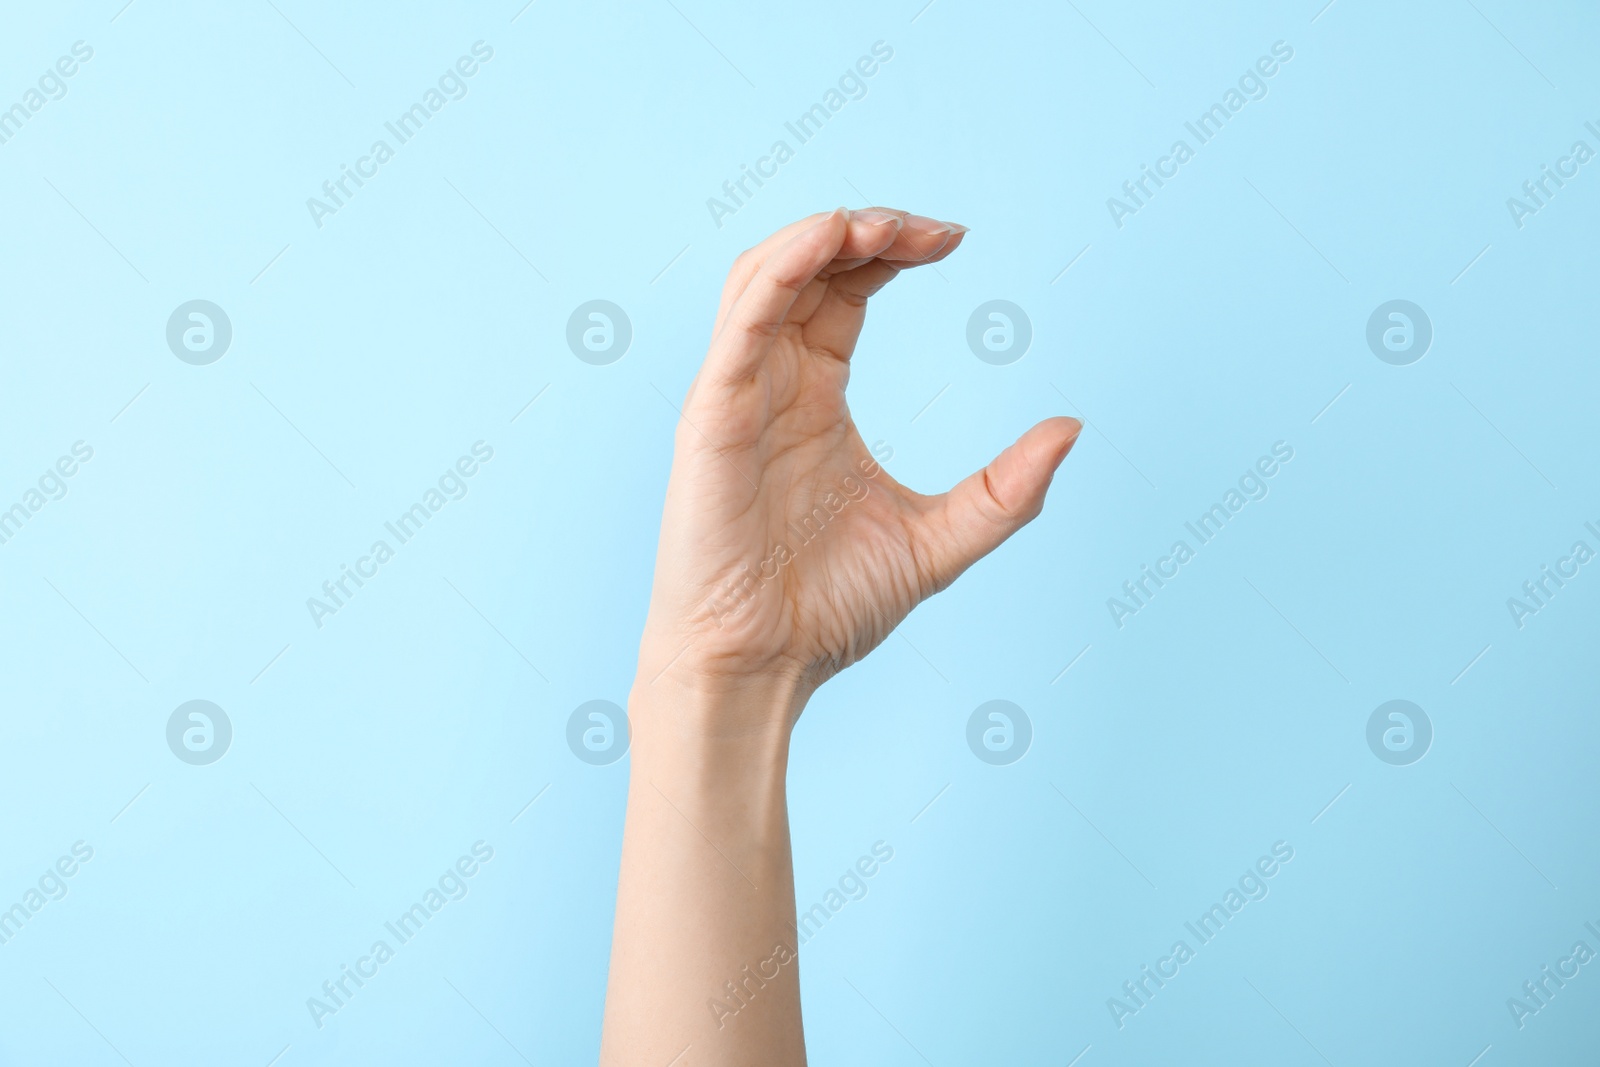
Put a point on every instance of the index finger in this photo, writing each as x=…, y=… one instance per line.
x=919, y=240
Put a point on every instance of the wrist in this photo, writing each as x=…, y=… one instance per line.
x=721, y=728
x=735, y=714
x=715, y=758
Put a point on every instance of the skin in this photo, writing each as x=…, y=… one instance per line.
x=704, y=967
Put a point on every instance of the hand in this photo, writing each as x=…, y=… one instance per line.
x=786, y=554
x=785, y=550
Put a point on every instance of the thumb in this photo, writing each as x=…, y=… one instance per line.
x=984, y=509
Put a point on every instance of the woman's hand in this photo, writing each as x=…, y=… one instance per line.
x=786, y=554
x=786, y=551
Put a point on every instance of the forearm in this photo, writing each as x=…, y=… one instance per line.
x=703, y=955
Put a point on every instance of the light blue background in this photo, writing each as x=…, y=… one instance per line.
x=370, y=353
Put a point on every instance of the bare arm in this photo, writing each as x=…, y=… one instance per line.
x=786, y=554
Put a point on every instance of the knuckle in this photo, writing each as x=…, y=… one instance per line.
x=760, y=329
x=997, y=509
x=786, y=281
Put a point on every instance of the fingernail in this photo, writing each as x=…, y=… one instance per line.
x=1072, y=439
x=956, y=227
x=932, y=227
x=876, y=218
